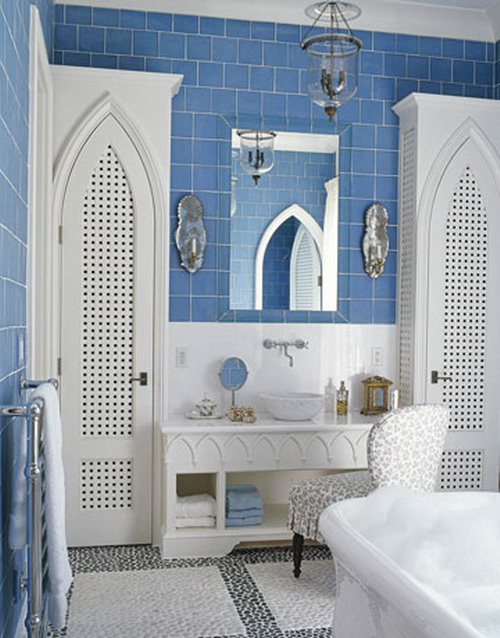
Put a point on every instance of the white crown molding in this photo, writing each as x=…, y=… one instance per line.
x=393, y=16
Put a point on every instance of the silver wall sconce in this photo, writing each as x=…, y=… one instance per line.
x=332, y=77
x=375, y=240
x=256, y=152
x=190, y=236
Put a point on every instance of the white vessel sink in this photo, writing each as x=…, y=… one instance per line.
x=293, y=406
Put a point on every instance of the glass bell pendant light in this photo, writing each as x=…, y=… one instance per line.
x=332, y=77
x=256, y=152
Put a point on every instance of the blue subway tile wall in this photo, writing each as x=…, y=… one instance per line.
x=14, y=134
x=238, y=68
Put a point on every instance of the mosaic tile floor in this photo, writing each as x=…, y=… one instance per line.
x=129, y=591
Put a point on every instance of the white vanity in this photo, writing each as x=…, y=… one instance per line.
x=204, y=456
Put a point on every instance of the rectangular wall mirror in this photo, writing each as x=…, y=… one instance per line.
x=284, y=224
x=278, y=238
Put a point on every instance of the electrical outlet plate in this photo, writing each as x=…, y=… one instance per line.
x=377, y=357
x=181, y=357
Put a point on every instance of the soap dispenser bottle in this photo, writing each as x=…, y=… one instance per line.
x=342, y=399
x=329, y=396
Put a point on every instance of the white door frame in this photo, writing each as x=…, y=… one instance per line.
x=141, y=102
x=39, y=314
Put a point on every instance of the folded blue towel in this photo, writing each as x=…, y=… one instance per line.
x=249, y=513
x=242, y=522
x=242, y=497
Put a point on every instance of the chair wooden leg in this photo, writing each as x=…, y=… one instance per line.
x=297, y=546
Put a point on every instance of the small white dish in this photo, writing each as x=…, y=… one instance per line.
x=199, y=417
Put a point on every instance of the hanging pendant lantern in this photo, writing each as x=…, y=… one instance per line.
x=256, y=152
x=332, y=77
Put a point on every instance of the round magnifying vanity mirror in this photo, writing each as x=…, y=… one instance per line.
x=233, y=375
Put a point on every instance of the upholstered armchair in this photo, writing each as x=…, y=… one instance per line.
x=404, y=448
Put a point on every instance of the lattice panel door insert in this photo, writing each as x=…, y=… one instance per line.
x=461, y=470
x=106, y=484
x=107, y=301
x=407, y=267
x=465, y=305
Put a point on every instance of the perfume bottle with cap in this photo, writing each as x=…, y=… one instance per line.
x=342, y=399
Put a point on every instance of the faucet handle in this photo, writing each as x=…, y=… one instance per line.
x=269, y=343
x=300, y=343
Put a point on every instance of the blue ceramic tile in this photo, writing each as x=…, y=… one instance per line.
x=91, y=39
x=236, y=76
x=238, y=28
x=395, y=65
x=407, y=43
x=418, y=67
x=298, y=106
x=132, y=19
x=225, y=49
x=223, y=101
x=405, y=87
x=288, y=33
x=262, y=30
x=249, y=103
x=275, y=54
x=484, y=73
x=212, y=26
x=159, y=21
x=372, y=62
x=363, y=161
x=372, y=111
x=475, y=91
x=385, y=287
x=387, y=162
x=287, y=80
x=441, y=70
x=384, y=311
x=181, y=177
x=182, y=151
x=384, y=41
x=463, y=72
x=157, y=65
x=453, y=48
x=475, y=51
x=210, y=74
x=59, y=13
x=425, y=86
x=180, y=309
x=101, y=61
x=204, y=308
x=180, y=282
x=250, y=52
x=65, y=36
x=261, y=78
x=199, y=47
x=172, y=45
x=430, y=46
x=360, y=311
x=188, y=69
x=205, y=152
x=78, y=15
x=185, y=23
x=131, y=63
x=384, y=89
x=105, y=17
x=119, y=41
x=273, y=104
x=145, y=43
x=77, y=59
x=204, y=283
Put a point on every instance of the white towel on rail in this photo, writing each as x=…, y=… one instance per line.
x=17, y=518
x=59, y=571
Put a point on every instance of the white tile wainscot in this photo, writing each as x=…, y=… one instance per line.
x=269, y=453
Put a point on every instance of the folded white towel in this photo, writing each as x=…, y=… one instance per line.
x=195, y=506
x=198, y=521
x=59, y=571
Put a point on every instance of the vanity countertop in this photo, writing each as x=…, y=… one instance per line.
x=325, y=421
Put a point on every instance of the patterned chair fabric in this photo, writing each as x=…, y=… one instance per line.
x=404, y=448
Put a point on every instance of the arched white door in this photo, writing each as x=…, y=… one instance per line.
x=463, y=341
x=107, y=283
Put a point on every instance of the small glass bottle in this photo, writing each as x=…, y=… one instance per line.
x=329, y=396
x=342, y=399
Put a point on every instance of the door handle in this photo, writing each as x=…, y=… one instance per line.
x=142, y=378
x=435, y=377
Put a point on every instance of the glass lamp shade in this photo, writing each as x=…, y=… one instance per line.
x=256, y=152
x=332, y=76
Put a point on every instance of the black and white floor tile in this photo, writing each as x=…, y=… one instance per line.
x=129, y=591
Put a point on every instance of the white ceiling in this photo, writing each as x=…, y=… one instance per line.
x=470, y=19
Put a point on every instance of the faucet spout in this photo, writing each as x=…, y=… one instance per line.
x=287, y=354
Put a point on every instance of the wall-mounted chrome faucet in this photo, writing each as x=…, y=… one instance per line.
x=298, y=343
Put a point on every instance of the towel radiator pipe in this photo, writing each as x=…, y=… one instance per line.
x=36, y=620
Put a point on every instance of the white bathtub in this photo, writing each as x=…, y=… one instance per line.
x=376, y=598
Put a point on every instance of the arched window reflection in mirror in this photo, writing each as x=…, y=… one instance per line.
x=291, y=218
